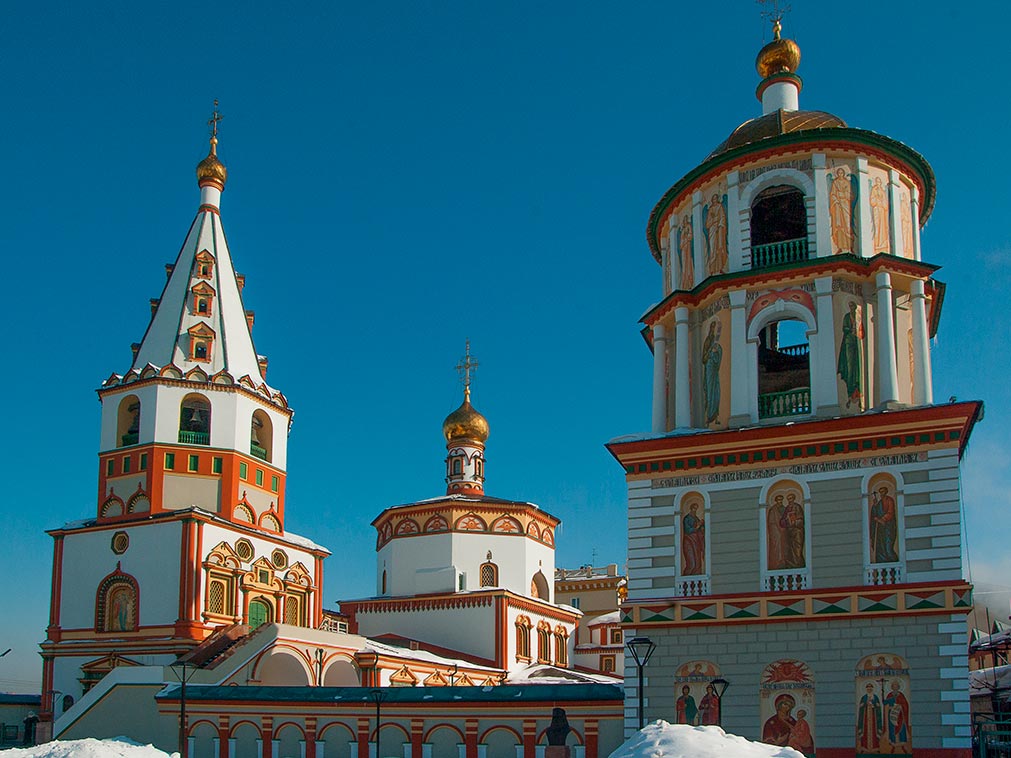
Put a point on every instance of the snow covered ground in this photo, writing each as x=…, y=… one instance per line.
x=118, y=747
x=663, y=740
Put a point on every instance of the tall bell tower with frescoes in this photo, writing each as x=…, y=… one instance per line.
x=188, y=533
x=794, y=512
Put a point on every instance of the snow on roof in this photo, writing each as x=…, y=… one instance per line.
x=117, y=747
x=994, y=641
x=542, y=673
x=605, y=618
x=663, y=740
x=420, y=655
x=983, y=681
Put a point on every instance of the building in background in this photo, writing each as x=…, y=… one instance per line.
x=597, y=592
x=794, y=515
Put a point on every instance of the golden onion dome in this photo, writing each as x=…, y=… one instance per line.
x=781, y=56
x=465, y=423
x=211, y=169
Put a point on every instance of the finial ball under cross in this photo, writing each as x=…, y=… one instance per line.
x=467, y=365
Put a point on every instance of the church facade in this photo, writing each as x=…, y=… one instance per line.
x=794, y=514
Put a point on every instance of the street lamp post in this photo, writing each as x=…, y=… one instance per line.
x=719, y=687
x=378, y=696
x=641, y=649
x=184, y=744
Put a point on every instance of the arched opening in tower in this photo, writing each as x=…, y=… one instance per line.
x=784, y=370
x=778, y=227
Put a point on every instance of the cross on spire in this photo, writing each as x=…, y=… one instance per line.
x=774, y=12
x=466, y=365
x=213, y=123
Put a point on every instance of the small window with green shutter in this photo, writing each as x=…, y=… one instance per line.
x=170, y=461
x=275, y=482
x=259, y=477
x=194, y=463
x=216, y=465
x=243, y=471
x=126, y=465
x=143, y=462
x=110, y=467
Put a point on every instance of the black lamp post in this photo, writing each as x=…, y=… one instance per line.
x=378, y=696
x=719, y=687
x=641, y=649
x=184, y=745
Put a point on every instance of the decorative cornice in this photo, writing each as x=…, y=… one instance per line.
x=212, y=386
x=810, y=605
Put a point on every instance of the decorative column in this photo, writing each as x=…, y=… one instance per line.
x=820, y=245
x=698, y=238
x=590, y=735
x=222, y=742
x=470, y=738
x=529, y=738
x=267, y=736
x=887, y=370
x=417, y=734
x=682, y=407
x=310, y=737
x=865, y=230
x=923, y=389
x=824, y=388
x=363, y=737
x=914, y=204
x=895, y=215
x=735, y=242
x=659, y=379
x=740, y=391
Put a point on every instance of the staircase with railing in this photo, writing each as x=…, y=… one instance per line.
x=777, y=253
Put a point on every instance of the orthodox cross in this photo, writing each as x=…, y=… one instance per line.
x=774, y=12
x=466, y=365
x=214, y=119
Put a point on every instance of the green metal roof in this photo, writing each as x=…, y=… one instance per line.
x=355, y=695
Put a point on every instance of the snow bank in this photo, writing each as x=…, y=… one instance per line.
x=663, y=740
x=118, y=747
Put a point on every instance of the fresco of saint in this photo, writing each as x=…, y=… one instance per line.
x=693, y=541
x=849, y=364
x=712, y=359
x=715, y=221
x=841, y=200
x=685, y=253
x=879, y=217
x=883, y=523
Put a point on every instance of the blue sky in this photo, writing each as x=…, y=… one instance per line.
x=405, y=176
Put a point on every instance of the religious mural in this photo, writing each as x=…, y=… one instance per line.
x=906, y=210
x=714, y=221
x=697, y=703
x=712, y=360
x=842, y=203
x=882, y=520
x=693, y=535
x=685, y=242
x=880, y=214
x=120, y=609
x=882, y=703
x=850, y=364
x=785, y=529
x=787, y=705
x=665, y=255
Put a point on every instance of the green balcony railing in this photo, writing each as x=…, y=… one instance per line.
x=258, y=451
x=130, y=438
x=195, y=438
x=790, y=403
x=775, y=253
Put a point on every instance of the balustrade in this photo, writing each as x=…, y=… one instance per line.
x=795, y=402
x=776, y=253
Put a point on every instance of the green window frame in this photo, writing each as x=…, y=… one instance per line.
x=259, y=477
x=216, y=464
x=243, y=471
x=110, y=467
x=275, y=482
x=194, y=463
x=170, y=461
x=142, y=466
x=126, y=464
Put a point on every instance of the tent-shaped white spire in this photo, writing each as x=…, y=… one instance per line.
x=200, y=320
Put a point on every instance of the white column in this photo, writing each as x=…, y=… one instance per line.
x=895, y=214
x=698, y=238
x=914, y=202
x=735, y=242
x=740, y=391
x=275, y=748
x=682, y=408
x=824, y=388
x=887, y=371
x=923, y=385
x=659, y=379
x=865, y=231
x=781, y=95
x=821, y=242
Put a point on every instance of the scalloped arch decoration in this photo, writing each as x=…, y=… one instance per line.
x=113, y=506
x=437, y=523
x=471, y=522
x=507, y=525
x=407, y=526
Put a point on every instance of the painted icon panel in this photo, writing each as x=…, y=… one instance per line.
x=882, y=703
x=697, y=702
x=787, y=705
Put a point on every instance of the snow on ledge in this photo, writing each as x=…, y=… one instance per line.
x=663, y=740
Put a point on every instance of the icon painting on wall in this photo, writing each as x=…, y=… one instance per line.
x=787, y=705
x=882, y=701
x=697, y=703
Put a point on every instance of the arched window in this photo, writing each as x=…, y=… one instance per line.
x=489, y=574
x=292, y=610
x=561, y=646
x=261, y=436
x=259, y=613
x=784, y=370
x=128, y=421
x=116, y=607
x=543, y=642
x=68, y=702
x=539, y=586
x=778, y=227
x=195, y=420
x=457, y=465
x=523, y=637
x=216, y=591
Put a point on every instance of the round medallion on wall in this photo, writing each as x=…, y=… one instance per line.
x=244, y=549
x=279, y=559
x=120, y=542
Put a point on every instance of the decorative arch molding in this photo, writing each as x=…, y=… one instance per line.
x=394, y=726
x=117, y=603
x=539, y=587
x=500, y=728
x=471, y=522
x=282, y=654
x=533, y=531
x=243, y=722
x=776, y=177
x=781, y=310
x=506, y=525
x=139, y=501
x=192, y=726
x=407, y=526
x=547, y=537
x=269, y=521
x=289, y=725
x=573, y=733
x=437, y=523
x=113, y=506
x=244, y=512
x=451, y=727
x=321, y=733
